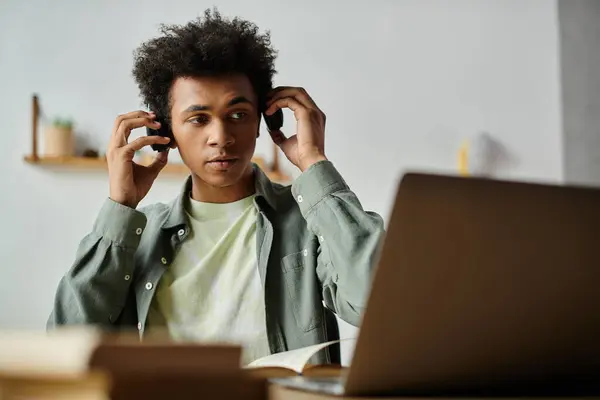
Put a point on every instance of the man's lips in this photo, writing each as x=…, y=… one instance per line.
x=222, y=163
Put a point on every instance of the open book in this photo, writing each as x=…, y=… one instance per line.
x=295, y=362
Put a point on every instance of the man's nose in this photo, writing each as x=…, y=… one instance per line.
x=218, y=135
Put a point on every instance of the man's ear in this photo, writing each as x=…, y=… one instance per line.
x=260, y=117
x=172, y=143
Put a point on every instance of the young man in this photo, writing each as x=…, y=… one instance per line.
x=234, y=257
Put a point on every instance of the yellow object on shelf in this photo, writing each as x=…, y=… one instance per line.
x=463, y=159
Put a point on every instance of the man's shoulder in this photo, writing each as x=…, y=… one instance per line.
x=158, y=209
x=281, y=198
x=282, y=192
x=158, y=213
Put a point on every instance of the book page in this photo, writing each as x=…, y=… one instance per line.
x=293, y=359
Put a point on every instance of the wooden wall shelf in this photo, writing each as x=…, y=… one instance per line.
x=88, y=163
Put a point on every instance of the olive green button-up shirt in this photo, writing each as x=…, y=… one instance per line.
x=316, y=249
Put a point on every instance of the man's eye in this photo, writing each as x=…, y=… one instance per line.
x=238, y=116
x=199, y=120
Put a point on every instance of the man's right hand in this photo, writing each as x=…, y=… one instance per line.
x=130, y=182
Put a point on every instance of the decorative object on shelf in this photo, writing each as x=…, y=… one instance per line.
x=58, y=138
x=482, y=156
x=91, y=161
x=90, y=153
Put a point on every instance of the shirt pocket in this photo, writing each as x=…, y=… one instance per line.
x=303, y=288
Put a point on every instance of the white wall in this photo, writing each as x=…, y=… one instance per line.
x=580, y=71
x=402, y=83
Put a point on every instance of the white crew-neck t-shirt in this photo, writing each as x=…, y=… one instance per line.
x=212, y=291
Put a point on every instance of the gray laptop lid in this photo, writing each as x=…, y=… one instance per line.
x=483, y=283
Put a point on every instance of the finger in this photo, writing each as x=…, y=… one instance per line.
x=278, y=137
x=288, y=102
x=144, y=141
x=159, y=161
x=288, y=144
x=130, y=115
x=128, y=125
x=298, y=93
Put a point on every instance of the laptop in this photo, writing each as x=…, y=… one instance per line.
x=482, y=287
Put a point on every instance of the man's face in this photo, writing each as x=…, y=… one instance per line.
x=215, y=124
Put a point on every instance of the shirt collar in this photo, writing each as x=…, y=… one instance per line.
x=265, y=190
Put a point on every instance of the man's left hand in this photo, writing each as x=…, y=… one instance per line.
x=307, y=146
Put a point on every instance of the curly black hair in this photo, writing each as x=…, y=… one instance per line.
x=209, y=46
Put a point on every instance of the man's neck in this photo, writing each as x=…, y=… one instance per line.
x=201, y=191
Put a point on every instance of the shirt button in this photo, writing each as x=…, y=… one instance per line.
x=305, y=252
x=299, y=198
x=148, y=285
x=163, y=260
x=127, y=277
x=181, y=232
x=139, y=231
x=139, y=326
